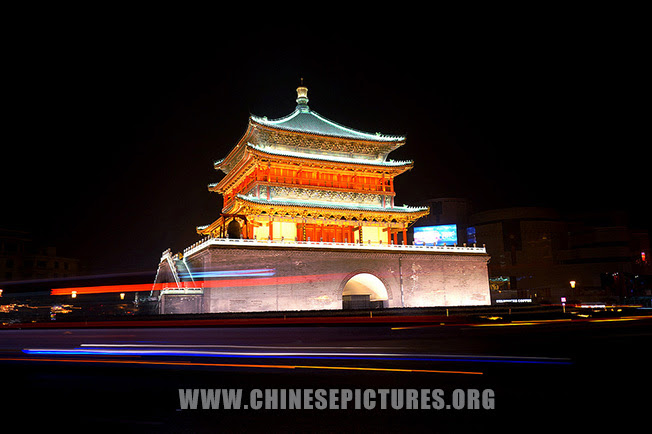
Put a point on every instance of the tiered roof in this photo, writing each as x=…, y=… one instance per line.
x=322, y=139
x=306, y=137
x=308, y=121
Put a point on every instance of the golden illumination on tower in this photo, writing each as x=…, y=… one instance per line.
x=306, y=178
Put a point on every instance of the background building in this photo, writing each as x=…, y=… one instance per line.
x=447, y=211
x=543, y=255
x=21, y=259
x=540, y=254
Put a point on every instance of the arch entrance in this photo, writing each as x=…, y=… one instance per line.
x=364, y=291
x=233, y=230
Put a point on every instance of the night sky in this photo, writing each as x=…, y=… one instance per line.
x=110, y=135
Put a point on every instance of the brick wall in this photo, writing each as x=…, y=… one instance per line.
x=305, y=279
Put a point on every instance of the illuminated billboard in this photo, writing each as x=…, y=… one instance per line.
x=470, y=235
x=435, y=235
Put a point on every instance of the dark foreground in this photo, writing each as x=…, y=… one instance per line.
x=561, y=374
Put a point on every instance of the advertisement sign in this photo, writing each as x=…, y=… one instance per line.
x=435, y=235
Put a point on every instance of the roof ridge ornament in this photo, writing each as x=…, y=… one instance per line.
x=302, y=98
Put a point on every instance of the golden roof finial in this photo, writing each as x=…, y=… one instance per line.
x=302, y=96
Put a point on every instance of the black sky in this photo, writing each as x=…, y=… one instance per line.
x=110, y=135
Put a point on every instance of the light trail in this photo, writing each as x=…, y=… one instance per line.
x=422, y=326
x=524, y=323
x=236, y=365
x=227, y=283
x=299, y=355
x=563, y=320
x=260, y=272
x=276, y=347
x=8, y=283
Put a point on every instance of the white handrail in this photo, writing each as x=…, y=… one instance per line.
x=328, y=245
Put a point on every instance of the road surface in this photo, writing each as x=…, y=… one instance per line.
x=507, y=377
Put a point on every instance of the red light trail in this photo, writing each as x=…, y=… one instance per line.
x=228, y=283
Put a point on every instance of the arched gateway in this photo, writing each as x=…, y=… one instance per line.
x=364, y=291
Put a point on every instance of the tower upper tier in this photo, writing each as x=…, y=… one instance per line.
x=305, y=120
x=305, y=132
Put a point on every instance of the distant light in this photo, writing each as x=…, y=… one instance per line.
x=572, y=284
x=514, y=300
x=643, y=256
x=122, y=296
x=73, y=294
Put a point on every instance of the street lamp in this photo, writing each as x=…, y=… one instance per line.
x=73, y=294
x=572, y=284
x=122, y=296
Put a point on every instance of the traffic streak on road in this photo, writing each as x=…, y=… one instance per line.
x=138, y=376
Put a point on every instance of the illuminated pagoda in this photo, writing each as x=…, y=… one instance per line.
x=306, y=178
x=309, y=222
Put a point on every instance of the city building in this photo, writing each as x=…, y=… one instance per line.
x=21, y=259
x=542, y=255
x=310, y=221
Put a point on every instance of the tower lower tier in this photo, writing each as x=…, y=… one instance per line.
x=246, y=276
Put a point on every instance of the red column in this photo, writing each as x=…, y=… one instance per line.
x=404, y=237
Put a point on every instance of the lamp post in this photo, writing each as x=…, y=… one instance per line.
x=563, y=299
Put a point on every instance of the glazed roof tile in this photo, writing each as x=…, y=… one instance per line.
x=305, y=120
x=328, y=157
x=331, y=205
